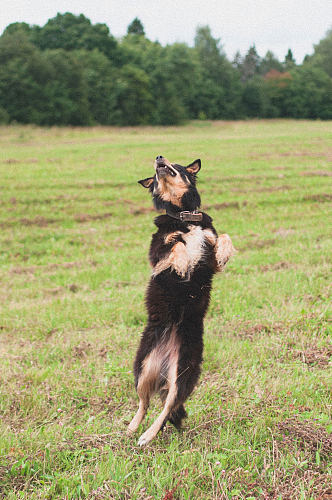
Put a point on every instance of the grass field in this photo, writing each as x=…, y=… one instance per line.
x=75, y=231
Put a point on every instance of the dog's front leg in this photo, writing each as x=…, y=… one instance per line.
x=177, y=259
x=223, y=251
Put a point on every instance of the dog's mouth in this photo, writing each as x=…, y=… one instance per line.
x=163, y=170
x=164, y=167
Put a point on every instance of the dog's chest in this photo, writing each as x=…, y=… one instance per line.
x=195, y=244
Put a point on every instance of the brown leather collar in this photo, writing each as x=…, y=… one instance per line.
x=186, y=216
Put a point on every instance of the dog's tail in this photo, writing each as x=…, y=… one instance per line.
x=176, y=416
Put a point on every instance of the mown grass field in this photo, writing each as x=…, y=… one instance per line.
x=75, y=231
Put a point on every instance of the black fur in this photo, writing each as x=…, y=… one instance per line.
x=176, y=302
x=171, y=300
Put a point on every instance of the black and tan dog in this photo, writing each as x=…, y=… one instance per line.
x=185, y=253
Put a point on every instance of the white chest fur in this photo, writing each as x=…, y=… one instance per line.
x=194, y=241
x=184, y=256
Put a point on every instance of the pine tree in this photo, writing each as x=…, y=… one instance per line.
x=237, y=61
x=136, y=27
x=250, y=64
x=289, y=62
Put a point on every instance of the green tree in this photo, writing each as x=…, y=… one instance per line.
x=13, y=28
x=168, y=108
x=66, y=89
x=322, y=57
x=45, y=88
x=21, y=93
x=136, y=27
x=134, y=99
x=250, y=65
x=4, y=116
x=218, y=81
x=164, y=86
x=237, y=61
x=253, y=98
x=289, y=62
x=100, y=81
x=269, y=61
x=181, y=63
x=70, y=32
x=309, y=94
x=70, y=71
x=276, y=84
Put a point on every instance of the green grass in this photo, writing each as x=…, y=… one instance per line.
x=75, y=231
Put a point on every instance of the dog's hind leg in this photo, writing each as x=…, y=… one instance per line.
x=176, y=416
x=141, y=412
x=168, y=406
x=145, y=388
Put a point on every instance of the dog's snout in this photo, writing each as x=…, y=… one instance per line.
x=161, y=163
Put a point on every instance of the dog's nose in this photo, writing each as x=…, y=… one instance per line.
x=160, y=157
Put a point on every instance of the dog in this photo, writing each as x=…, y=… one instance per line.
x=185, y=253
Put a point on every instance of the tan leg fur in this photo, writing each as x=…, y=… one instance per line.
x=224, y=250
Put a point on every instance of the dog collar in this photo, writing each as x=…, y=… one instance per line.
x=186, y=216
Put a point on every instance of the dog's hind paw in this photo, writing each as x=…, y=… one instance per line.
x=142, y=441
x=145, y=438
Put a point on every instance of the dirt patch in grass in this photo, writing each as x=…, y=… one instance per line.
x=221, y=206
x=88, y=217
x=272, y=481
x=306, y=154
x=294, y=154
x=283, y=232
x=288, y=487
x=250, y=330
x=314, y=356
x=257, y=243
x=278, y=266
x=321, y=197
x=51, y=267
x=54, y=291
x=86, y=441
x=13, y=161
x=296, y=327
x=81, y=350
x=106, y=491
x=141, y=210
x=316, y=173
x=266, y=189
x=101, y=184
x=11, y=481
x=39, y=221
x=308, y=435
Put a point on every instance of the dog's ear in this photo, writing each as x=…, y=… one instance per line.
x=146, y=182
x=194, y=167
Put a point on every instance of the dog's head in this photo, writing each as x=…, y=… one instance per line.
x=174, y=186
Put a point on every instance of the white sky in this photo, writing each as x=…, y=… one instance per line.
x=271, y=24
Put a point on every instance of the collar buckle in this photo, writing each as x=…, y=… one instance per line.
x=190, y=216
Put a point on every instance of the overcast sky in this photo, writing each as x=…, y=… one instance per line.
x=271, y=24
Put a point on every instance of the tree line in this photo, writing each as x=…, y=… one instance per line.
x=71, y=72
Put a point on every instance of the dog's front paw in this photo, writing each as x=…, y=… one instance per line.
x=180, y=259
x=223, y=250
